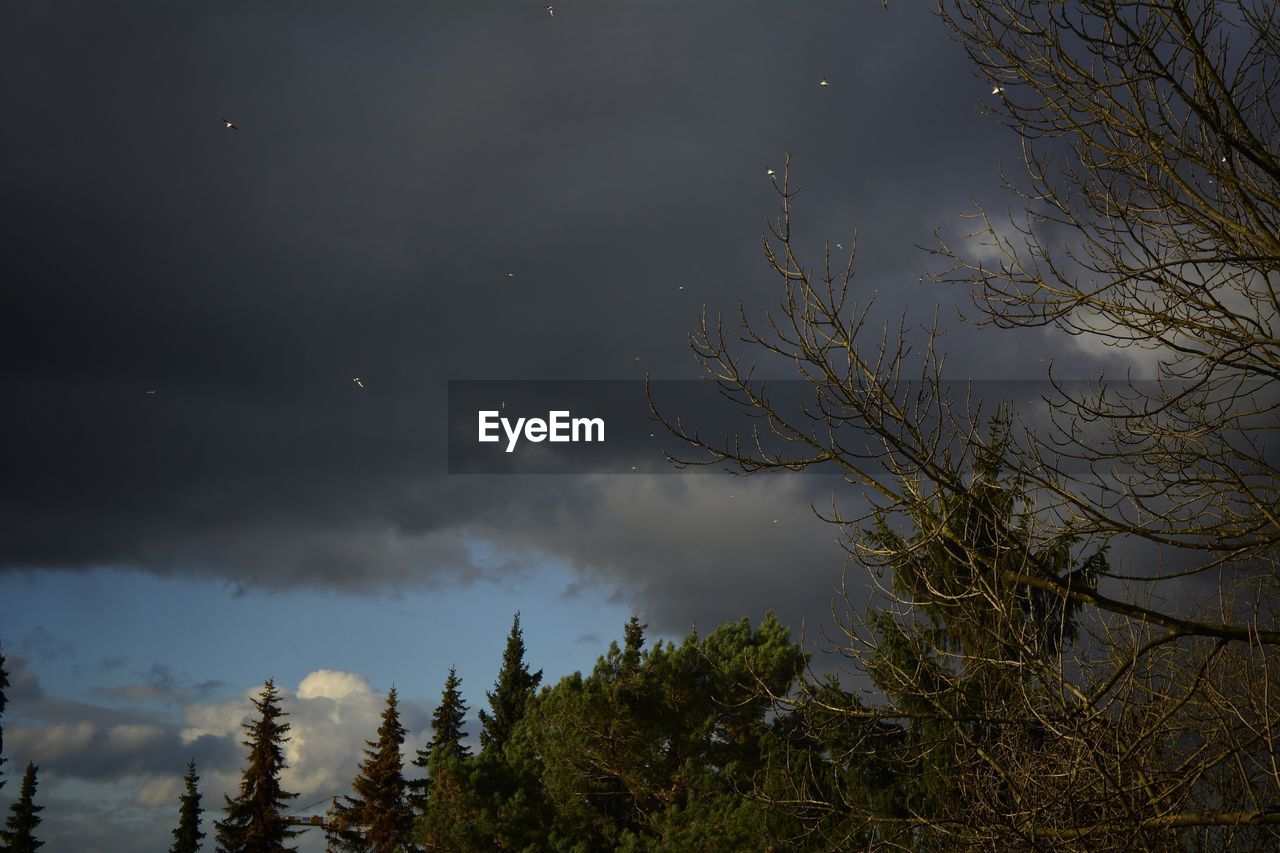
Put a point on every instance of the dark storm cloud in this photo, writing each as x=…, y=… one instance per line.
x=427, y=192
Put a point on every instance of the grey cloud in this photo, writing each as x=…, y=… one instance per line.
x=24, y=686
x=391, y=168
x=160, y=684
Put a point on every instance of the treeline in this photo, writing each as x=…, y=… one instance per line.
x=18, y=835
x=659, y=747
x=1006, y=720
x=989, y=726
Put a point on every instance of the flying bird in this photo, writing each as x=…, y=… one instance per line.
x=230, y=125
x=997, y=90
x=358, y=381
x=823, y=83
x=152, y=391
x=770, y=172
x=551, y=10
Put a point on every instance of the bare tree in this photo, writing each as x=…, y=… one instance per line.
x=1037, y=695
x=1152, y=146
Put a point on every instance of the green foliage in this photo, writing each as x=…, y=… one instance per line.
x=964, y=562
x=446, y=800
x=18, y=834
x=447, y=733
x=956, y=663
x=378, y=818
x=253, y=822
x=656, y=749
x=510, y=694
x=187, y=835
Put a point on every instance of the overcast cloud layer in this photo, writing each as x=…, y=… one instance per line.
x=417, y=193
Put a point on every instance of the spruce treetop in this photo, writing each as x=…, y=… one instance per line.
x=18, y=835
x=187, y=835
x=510, y=694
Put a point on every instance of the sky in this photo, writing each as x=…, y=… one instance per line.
x=196, y=494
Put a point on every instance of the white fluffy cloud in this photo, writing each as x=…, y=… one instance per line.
x=126, y=763
x=331, y=715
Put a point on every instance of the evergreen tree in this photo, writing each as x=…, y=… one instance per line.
x=187, y=835
x=377, y=818
x=446, y=732
x=24, y=816
x=446, y=722
x=510, y=694
x=447, y=798
x=509, y=802
x=654, y=749
x=960, y=671
x=253, y=823
x=4, y=684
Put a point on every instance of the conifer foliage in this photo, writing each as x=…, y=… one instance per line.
x=447, y=799
x=18, y=834
x=254, y=823
x=510, y=696
x=446, y=723
x=4, y=685
x=377, y=818
x=187, y=835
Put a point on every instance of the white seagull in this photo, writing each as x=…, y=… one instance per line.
x=358, y=381
x=997, y=90
x=823, y=83
x=770, y=172
x=230, y=125
x=551, y=10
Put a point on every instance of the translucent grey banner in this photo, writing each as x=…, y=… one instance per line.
x=581, y=426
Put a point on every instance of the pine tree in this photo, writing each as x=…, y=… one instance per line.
x=254, y=823
x=511, y=692
x=378, y=817
x=187, y=835
x=633, y=642
x=657, y=748
x=4, y=684
x=24, y=817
